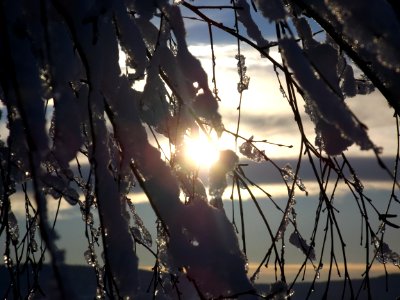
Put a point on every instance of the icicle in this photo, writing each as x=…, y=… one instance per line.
x=289, y=176
x=8, y=261
x=33, y=223
x=13, y=227
x=285, y=220
x=90, y=257
x=242, y=69
x=88, y=218
x=384, y=254
x=318, y=271
x=248, y=150
x=162, y=247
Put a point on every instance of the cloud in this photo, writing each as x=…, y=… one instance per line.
x=267, y=275
x=356, y=271
x=367, y=169
x=264, y=174
x=262, y=125
x=264, y=110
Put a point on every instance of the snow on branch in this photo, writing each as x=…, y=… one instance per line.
x=324, y=103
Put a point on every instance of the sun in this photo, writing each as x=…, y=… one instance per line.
x=202, y=150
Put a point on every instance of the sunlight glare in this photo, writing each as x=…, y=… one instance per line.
x=201, y=150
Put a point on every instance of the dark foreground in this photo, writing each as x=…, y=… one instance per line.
x=82, y=279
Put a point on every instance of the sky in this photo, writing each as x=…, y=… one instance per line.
x=265, y=114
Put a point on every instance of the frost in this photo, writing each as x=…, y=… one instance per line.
x=279, y=291
x=57, y=187
x=92, y=260
x=162, y=247
x=327, y=108
x=296, y=240
x=330, y=138
x=13, y=228
x=384, y=254
x=324, y=57
x=242, y=69
x=334, y=79
x=87, y=217
x=154, y=108
x=248, y=150
x=286, y=217
x=182, y=69
x=371, y=30
x=139, y=231
x=290, y=176
x=364, y=86
x=130, y=39
x=373, y=27
x=90, y=257
x=33, y=223
x=33, y=245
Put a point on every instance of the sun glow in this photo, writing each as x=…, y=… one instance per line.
x=202, y=150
